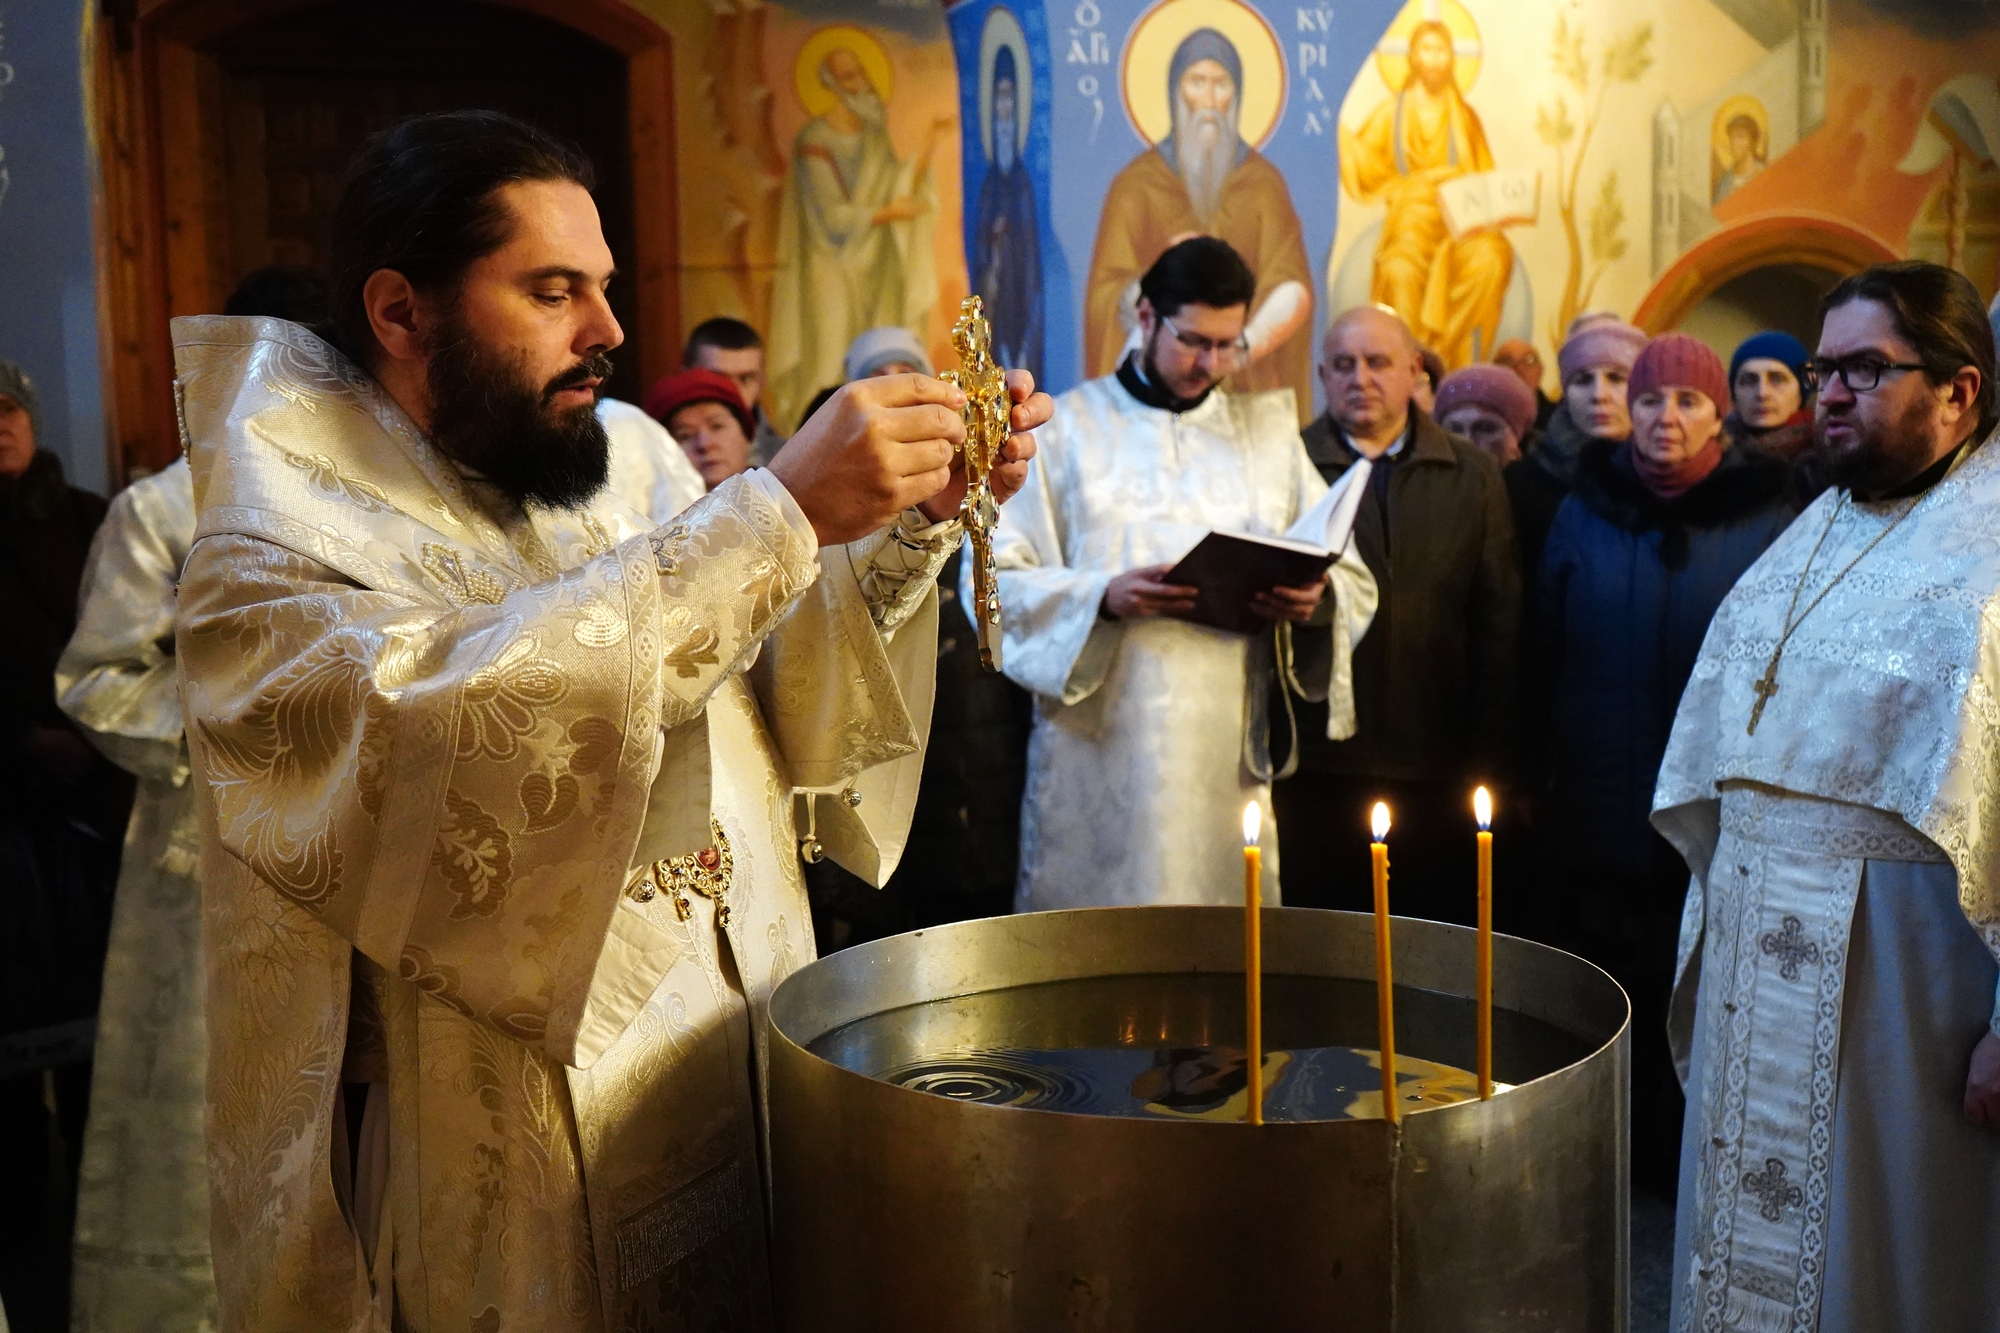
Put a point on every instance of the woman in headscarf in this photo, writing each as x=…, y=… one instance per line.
x=1656, y=531
x=1595, y=362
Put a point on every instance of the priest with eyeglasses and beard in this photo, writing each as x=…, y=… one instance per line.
x=496, y=777
x=1833, y=781
x=1151, y=732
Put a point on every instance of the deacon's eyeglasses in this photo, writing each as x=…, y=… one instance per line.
x=1226, y=354
x=1861, y=374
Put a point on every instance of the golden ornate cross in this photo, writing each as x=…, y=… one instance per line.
x=1765, y=687
x=986, y=413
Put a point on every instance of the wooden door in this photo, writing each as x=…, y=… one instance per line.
x=240, y=116
x=302, y=90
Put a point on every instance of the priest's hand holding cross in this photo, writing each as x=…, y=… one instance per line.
x=884, y=445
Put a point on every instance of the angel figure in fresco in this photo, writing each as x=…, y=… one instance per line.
x=1449, y=290
x=855, y=222
x=1740, y=152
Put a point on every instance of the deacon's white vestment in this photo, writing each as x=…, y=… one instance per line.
x=463, y=773
x=141, y=1257
x=648, y=468
x=1149, y=734
x=1838, y=949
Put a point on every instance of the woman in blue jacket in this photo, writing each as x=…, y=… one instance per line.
x=1655, y=533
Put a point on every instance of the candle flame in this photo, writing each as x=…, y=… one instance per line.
x=1379, y=821
x=1482, y=808
x=1253, y=823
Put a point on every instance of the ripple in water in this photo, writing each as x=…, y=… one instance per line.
x=993, y=1078
x=1188, y=1082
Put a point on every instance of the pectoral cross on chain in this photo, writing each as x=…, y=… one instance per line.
x=1763, y=689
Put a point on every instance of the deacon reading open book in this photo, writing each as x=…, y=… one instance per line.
x=1230, y=568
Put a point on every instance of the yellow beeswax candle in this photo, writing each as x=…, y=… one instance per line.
x=1385, y=1002
x=1253, y=958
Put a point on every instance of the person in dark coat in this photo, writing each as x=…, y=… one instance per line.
x=1771, y=410
x=1519, y=355
x=1655, y=533
x=62, y=821
x=1492, y=408
x=1435, y=675
x=1595, y=362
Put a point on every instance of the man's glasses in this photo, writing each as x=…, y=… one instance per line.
x=1861, y=374
x=1227, y=355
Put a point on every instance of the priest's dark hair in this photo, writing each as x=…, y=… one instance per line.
x=1939, y=311
x=1202, y=270
x=722, y=333
x=422, y=198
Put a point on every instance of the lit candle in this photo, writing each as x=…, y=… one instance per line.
x=1385, y=1003
x=1482, y=810
x=1253, y=958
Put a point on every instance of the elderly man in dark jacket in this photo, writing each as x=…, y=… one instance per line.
x=1435, y=676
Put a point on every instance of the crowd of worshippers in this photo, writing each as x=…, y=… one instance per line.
x=1527, y=590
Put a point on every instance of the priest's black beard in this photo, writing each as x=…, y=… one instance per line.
x=1881, y=458
x=486, y=416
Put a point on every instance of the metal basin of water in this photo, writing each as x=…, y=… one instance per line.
x=1045, y=1180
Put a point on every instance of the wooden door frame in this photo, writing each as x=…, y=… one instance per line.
x=156, y=71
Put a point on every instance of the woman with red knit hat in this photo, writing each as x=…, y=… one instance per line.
x=1655, y=532
x=705, y=414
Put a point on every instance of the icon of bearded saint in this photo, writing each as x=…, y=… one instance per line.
x=1203, y=179
x=854, y=237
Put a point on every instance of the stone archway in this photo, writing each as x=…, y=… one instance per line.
x=163, y=137
x=1803, y=242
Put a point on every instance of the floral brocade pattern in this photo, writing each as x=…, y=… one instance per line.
x=1882, y=744
x=426, y=728
x=1888, y=694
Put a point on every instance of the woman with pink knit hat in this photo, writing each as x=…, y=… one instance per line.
x=1653, y=535
x=1490, y=406
x=1594, y=363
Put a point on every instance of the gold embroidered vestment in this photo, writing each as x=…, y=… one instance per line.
x=440, y=744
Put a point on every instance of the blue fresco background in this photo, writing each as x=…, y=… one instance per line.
x=1080, y=137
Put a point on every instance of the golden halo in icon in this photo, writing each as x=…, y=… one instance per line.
x=1392, y=53
x=815, y=96
x=1003, y=29
x=1149, y=51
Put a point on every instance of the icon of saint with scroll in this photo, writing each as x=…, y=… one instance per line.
x=1204, y=83
x=854, y=230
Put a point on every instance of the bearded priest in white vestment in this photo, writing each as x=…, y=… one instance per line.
x=1834, y=782
x=141, y=1255
x=1150, y=731
x=496, y=777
